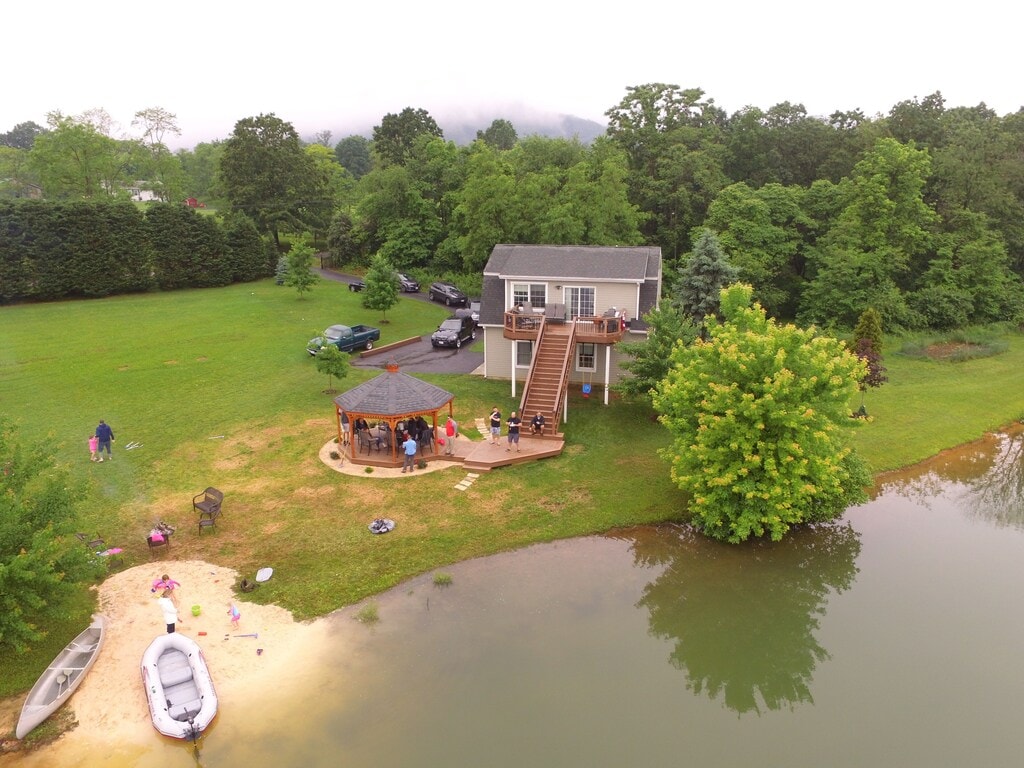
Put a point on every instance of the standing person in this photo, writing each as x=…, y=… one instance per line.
x=495, y=425
x=513, y=431
x=105, y=435
x=94, y=444
x=344, y=428
x=451, y=431
x=169, y=609
x=236, y=615
x=409, y=446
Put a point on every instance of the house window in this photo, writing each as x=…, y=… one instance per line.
x=524, y=354
x=585, y=357
x=534, y=293
x=581, y=301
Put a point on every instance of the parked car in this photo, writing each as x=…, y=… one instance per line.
x=356, y=285
x=447, y=294
x=472, y=311
x=453, y=331
x=407, y=284
x=346, y=338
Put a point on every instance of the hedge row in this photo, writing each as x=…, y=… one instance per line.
x=57, y=250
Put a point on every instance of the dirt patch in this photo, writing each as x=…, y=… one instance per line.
x=949, y=349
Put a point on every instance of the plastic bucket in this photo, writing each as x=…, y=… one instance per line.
x=195, y=610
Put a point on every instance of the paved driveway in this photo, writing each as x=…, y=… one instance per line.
x=420, y=357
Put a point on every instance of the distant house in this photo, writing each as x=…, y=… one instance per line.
x=140, y=194
x=552, y=315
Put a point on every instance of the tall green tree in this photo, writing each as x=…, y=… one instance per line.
x=701, y=278
x=267, y=175
x=758, y=415
x=381, y=292
x=76, y=160
x=395, y=137
x=21, y=136
x=885, y=227
x=500, y=134
x=761, y=230
x=353, y=153
x=41, y=562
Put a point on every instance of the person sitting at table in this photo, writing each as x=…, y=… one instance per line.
x=360, y=425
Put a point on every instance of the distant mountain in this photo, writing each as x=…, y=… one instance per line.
x=549, y=126
x=462, y=128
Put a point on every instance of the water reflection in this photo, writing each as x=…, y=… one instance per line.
x=743, y=618
x=987, y=478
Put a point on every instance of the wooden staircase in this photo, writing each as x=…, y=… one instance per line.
x=549, y=376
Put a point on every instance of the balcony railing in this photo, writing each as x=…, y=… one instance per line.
x=595, y=330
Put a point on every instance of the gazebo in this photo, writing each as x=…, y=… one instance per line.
x=390, y=399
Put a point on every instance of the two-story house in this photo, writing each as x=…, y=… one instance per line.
x=552, y=314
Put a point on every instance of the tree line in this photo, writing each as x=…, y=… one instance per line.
x=57, y=250
x=917, y=213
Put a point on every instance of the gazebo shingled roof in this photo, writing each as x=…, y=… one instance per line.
x=390, y=397
x=393, y=393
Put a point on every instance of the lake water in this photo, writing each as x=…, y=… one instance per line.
x=891, y=639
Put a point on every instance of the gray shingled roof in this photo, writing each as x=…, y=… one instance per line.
x=569, y=262
x=557, y=262
x=393, y=393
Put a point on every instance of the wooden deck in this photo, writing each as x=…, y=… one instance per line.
x=475, y=455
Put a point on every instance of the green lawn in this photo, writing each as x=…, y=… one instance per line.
x=177, y=371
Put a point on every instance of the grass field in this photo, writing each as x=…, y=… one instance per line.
x=217, y=387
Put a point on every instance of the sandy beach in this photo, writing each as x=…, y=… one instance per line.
x=111, y=706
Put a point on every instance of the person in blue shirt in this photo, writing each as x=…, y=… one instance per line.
x=409, y=446
x=106, y=436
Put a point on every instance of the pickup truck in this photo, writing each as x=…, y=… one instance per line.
x=346, y=338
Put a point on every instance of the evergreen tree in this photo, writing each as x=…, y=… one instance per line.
x=649, y=359
x=701, y=279
x=867, y=345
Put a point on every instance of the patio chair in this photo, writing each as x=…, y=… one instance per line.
x=367, y=441
x=555, y=313
x=155, y=542
x=208, y=502
x=208, y=521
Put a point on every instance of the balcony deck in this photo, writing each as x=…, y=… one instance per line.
x=591, y=330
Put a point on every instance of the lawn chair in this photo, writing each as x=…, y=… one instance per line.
x=208, y=502
x=208, y=521
x=157, y=540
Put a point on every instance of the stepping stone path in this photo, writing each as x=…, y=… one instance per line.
x=467, y=481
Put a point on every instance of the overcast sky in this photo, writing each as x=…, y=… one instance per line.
x=342, y=66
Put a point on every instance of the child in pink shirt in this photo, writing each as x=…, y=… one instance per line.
x=94, y=444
